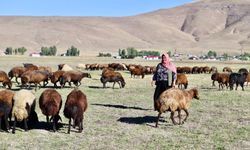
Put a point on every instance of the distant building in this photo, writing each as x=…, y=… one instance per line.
x=35, y=54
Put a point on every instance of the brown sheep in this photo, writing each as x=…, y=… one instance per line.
x=214, y=77
x=56, y=76
x=206, y=69
x=73, y=76
x=213, y=70
x=35, y=77
x=6, y=103
x=45, y=68
x=30, y=67
x=112, y=76
x=175, y=100
x=181, y=80
x=50, y=103
x=248, y=78
x=137, y=71
x=5, y=79
x=16, y=72
x=223, y=79
x=75, y=106
x=227, y=69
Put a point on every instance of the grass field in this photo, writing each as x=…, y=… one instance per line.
x=124, y=118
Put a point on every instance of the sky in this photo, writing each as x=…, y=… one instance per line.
x=114, y=8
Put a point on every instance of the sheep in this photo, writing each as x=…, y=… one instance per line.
x=56, y=76
x=223, y=78
x=5, y=79
x=35, y=77
x=237, y=78
x=213, y=70
x=50, y=103
x=137, y=71
x=24, y=108
x=248, y=78
x=16, y=72
x=181, y=80
x=214, y=77
x=227, y=69
x=64, y=67
x=112, y=76
x=30, y=67
x=73, y=76
x=6, y=103
x=173, y=100
x=75, y=106
x=242, y=70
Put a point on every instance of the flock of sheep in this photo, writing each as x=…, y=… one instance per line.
x=21, y=104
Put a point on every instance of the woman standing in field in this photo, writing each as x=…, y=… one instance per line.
x=164, y=77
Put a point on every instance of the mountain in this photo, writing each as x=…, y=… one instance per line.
x=222, y=26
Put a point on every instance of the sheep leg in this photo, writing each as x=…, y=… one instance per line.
x=47, y=118
x=80, y=127
x=114, y=85
x=6, y=122
x=14, y=126
x=179, y=116
x=172, y=118
x=236, y=86
x=16, y=81
x=0, y=123
x=159, y=115
x=54, y=124
x=69, y=125
x=25, y=125
x=187, y=114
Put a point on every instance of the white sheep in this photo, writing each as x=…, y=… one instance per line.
x=24, y=108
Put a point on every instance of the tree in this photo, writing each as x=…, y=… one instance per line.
x=48, y=51
x=211, y=54
x=8, y=51
x=225, y=56
x=21, y=50
x=73, y=51
x=131, y=52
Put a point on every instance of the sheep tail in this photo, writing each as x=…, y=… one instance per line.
x=20, y=113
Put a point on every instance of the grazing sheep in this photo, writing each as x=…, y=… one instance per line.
x=65, y=67
x=6, y=103
x=227, y=69
x=35, y=77
x=5, y=79
x=238, y=79
x=56, y=76
x=223, y=79
x=242, y=70
x=175, y=100
x=248, y=78
x=50, y=102
x=16, y=72
x=24, y=108
x=181, y=80
x=112, y=76
x=213, y=70
x=73, y=76
x=137, y=71
x=214, y=77
x=75, y=106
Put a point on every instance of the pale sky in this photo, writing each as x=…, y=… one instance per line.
x=84, y=7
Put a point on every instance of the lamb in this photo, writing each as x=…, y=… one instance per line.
x=175, y=100
x=181, y=80
x=223, y=79
x=5, y=79
x=24, y=108
x=6, y=103
x=75, y=106
x=50, y=103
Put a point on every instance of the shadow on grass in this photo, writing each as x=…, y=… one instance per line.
x=120, y=106
x=138, y=120
x=96, y=87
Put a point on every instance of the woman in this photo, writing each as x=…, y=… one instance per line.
x=164, y=77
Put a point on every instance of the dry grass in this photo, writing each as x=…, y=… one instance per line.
x=124, y=119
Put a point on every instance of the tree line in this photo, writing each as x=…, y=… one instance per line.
x=45, y=51
x=131, y=53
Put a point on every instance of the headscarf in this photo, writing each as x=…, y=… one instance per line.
x=166, y=63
